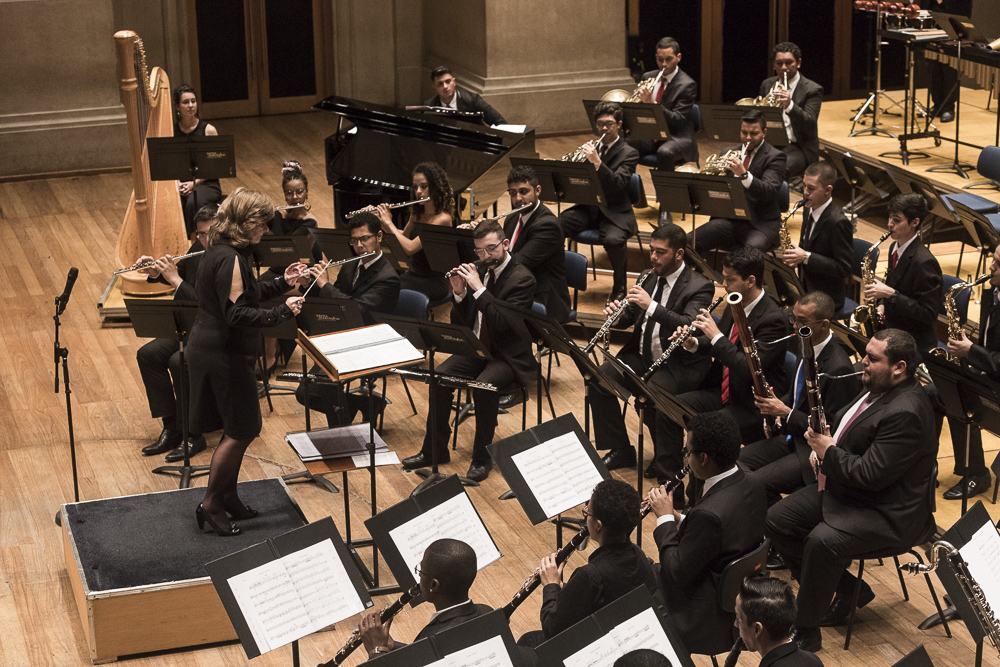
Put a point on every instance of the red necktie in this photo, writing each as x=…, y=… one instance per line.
x=733, y=337
x=517, y=231
x=659, y=91
x=895, y=258
x=746, y=160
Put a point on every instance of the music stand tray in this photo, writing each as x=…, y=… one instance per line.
x=721, y=122
x=640, y=121
x=701, y=194
x=191, y=157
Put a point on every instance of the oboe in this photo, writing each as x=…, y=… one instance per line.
x=151, y=263
x=368, y=209
x=387, y=615
x=608, y=323
x=677, y=342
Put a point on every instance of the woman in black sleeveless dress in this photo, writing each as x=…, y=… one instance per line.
x=199, y=192
x=223, y=345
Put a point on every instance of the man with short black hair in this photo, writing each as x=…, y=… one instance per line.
x=614, y=161
x=762, y=172
x=726, y=522
x=450, y=96
x=765, y=611
x=873, y=488
x=800, y=105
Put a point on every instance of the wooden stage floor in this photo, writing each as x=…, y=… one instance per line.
x=46, y=226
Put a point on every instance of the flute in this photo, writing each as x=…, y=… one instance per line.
x=292, y=207
x=330, y=263
x=151, y=263
x=472, y=224
x=368, y=209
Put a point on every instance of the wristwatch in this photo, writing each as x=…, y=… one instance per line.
x=745, y=175
x=378, y=649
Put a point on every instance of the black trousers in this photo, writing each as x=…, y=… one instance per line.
x=435, y=287
x=942, y=82
x=578, y=218
x=203, y=194
x=977, y=463
x=726, y=234
x=340, y=407
x=774, y=462
x=495, y=372
x=668, y=153
x=796, y=160
x=159, y=363
x=817, y=553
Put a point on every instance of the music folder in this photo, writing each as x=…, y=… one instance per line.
x=344, y=355
x=640, y=121
x=283, y=250
x=701, y=194
x=446, y=247
x=404, y=531
x=551, y=467
x=485, y=641
x=631, y=622
x=572, y=182
x=721, y=122
x=281, y=590
x=191, y=157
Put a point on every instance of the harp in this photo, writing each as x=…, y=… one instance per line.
x=154, y=220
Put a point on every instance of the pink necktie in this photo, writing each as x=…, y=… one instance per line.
x=820, y=477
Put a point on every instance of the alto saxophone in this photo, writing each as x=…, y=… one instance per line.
x=784, y=238
x=865, y=318
x=603, y=332
x=954, y=319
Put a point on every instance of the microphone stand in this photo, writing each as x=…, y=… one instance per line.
x=61, y=353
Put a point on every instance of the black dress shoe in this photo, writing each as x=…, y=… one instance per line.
x=422, y=460
x=479, y=471
x=511, y=399
x=619, y=458
x=975, y=485
x=840, y=608
x=166, y=441
x=193, y=447
x=617, y=295
x=775, y=561
x=947, y=116
x=649, y=472
x=808, y=639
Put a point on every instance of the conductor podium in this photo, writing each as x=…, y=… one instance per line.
x=136, y=565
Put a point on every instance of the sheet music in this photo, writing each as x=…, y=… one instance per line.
x=982, y=555
x=601, y=653
x=381, y=459
x=643, y=630
x=559, y=473
x=490, y=653
x=369, y=347
x=455, y=518
x=334, y=442
x=293, y=596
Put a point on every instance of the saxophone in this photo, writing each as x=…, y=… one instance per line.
x=603, y=332
x=784, y=238
x=865, y=318
x=954, y=319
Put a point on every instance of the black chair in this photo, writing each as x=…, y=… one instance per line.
x=592, y=237
x=860, y=248
x=576, y=279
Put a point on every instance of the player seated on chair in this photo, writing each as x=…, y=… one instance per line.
x=765, y=611
x=450, y=96
x=800, y=104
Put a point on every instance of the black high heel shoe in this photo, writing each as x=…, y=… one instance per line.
x=239, y=511
x=202, y=516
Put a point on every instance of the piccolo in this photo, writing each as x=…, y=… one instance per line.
x=151, y=263
x=330, y=263
x=368, y=209
x=292, y=207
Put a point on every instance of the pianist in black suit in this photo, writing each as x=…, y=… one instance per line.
x=826, y=249
x=536, y=241
x=159, y=360
x=615, y=163
x=800, y=105
x=374, y=286
x=429, y=180
x=451, y=96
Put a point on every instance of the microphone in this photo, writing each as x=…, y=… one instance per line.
x=63, y=298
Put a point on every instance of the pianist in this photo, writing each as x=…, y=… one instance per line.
x=450, y=96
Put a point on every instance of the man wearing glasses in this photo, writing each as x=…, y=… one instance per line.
x=475, y=289
x=160, y=358
x=615, y=161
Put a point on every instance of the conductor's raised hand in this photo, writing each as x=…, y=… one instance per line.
x=549, y=572
x=293, y=271
x=705, y=323
x=294, y=304
x=373, y=633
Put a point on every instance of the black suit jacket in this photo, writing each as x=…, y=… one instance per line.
x=515, y=286
x=914, y=307
x=615, y=175
x=767, y=323
x=691, y=293
x=768, y=169
x=678, y=108
x=790, y=655
x=540, y=249
x=878, y=474
x=469, y=101
x=377, y=291
x=804, y=114
x=830, y=240
x=727, y=522
x=983, y=356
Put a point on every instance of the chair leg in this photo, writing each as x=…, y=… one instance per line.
x=902, y=582
x=593, y=262
x=406, y=388
x=854, y=604
x=715, y=663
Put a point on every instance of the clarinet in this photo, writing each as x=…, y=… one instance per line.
x=645, y=507
x=608, y=323
x=760, y=385
x=734, y=653
x=387, y=615
x=677, y=342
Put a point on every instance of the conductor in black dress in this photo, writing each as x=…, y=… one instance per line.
x=223, y=344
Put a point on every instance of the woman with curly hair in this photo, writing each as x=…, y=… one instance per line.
x=429, y=180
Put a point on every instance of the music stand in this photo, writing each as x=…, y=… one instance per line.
x=722, y=122
x=640, y=121
x=335, y=244
x=191, y=157
x=433, y=337
x=908, y=181
x=959, y=29
x=714, y=196
x=446, y=247
x=858, y=178
x=782, y=281
x=283, y=250
x=574, y=182
x=173, y=320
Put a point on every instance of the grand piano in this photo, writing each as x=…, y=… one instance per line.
x=371, y=155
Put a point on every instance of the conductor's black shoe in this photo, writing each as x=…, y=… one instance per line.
x=193, y=446
x=808, y=639
x=422, y=460
x=649, y=472
x=975, y=485
x=840, y=608
x=619, y=458
x=775, y=561
x=511, y=399
x=947, y=116
x=479, y=471
x=166, y=441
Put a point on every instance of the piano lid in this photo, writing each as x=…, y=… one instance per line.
x=386, y=143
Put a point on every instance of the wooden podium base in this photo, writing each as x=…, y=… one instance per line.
x=136, y=565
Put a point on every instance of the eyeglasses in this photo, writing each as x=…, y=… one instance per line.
x=360, y=240
x=292, y=193
x=586, y=510
x=420, y=573
x=605, y=124
x=488, y=250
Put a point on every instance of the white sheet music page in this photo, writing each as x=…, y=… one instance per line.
x=368, y=347
x=559, y=473
x=982, y=555
x=271, y=605
x=601, y=653
x=323, y=585
x=490, y=653
x=644, y=630
x=456, y=518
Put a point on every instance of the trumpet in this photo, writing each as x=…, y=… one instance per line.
x=368, y=209
x=578, y=155
x=152, y=263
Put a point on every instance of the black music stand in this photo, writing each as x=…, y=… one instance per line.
x=697, y=194
x=959, y=29
x=191, y=157
x=640, y=121
x=858, y=179
x=721, y=122
x=574, y=182
x=173, y=320
x=782, y=281
x=283, y=250
x=433, y=337
x=908, y=181
x=446, y=247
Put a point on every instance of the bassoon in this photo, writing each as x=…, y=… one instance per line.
x=760, y=385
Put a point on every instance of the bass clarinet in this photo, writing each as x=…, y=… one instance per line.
x=387, y=615
x=677, y=342
x=760, y=385
x=613, y=317
x=817, y=418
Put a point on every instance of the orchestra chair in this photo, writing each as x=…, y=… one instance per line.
x=576, y=279
x=860, y=248
x=989, y=166
x=961, y=302
x=542, y=352
x=895, y=553
x=984, y=229
x=415, y=305
x=650, y=160
x=592, y=237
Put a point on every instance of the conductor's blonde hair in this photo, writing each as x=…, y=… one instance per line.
x=240, y=214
